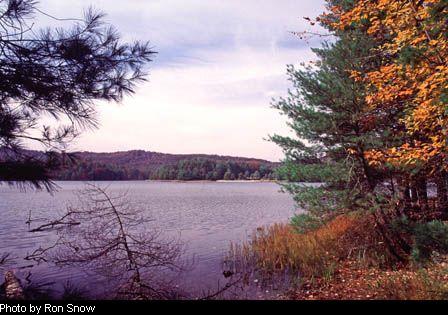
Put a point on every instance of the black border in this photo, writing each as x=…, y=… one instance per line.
x=226, y=306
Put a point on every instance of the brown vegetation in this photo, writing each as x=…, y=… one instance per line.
x=351, y=281
x=345, y=259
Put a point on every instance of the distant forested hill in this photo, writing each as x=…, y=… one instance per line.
x=139, y=165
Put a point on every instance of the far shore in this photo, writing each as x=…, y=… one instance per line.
x=214, y=181
x=185, y=181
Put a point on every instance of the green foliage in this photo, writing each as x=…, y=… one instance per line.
x=427, y=237
x=304, y=222
x=206, y=169
x=309, y=173
x=100, y=171
x=322, y=201
x=141, y=165
x=409, y=55
x=326, y=111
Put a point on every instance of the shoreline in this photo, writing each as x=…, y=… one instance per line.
x=175, y=181
x=210, y=181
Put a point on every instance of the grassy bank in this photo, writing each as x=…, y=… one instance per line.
x=343, y=259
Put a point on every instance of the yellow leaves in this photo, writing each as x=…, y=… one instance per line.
x=409, y=154
x=422, y=70
x=406, y=92
x=370, y=99
x=418, y=40
x=433, y=42
x=356, y=75
x=375, y=158
x=411, y=78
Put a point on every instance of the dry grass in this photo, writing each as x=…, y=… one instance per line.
x=344, y=259
x=314, y=254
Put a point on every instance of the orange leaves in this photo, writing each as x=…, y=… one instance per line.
x=412, y=76
x=356, y=75
x=407, y=155
x=375, y=158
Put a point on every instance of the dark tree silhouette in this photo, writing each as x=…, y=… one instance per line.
x=59, y=74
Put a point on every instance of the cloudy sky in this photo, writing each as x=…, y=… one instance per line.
x=219, y=64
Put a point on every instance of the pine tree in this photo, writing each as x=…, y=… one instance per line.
x=327, y=113
x=56, y=73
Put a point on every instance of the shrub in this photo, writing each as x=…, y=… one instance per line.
x=429, y=237
x=304, y=222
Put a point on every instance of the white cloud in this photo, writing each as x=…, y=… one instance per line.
x=169, y=23
x=223, y=109
x=209, y=91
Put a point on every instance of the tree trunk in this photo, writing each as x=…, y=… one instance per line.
x=393, y=250
x=392, y=186
x=413, y=193
x=367, y=172
x=422, y=193
x=442, y=194
x=405, y=194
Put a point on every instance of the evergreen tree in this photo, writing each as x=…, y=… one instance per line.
x=326, y=111
x=228, y=175
x=256, y=175
x=56, y=73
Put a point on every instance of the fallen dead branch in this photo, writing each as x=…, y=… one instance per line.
x=59, y=223
x=219, y=292
x=104, y=234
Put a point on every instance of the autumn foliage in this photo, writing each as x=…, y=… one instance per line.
x=371, y=114
x=412, y=77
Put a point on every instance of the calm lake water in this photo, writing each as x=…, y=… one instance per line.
x=206, y=215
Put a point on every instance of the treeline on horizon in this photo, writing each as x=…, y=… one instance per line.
x=186, y=169
x=206, y=169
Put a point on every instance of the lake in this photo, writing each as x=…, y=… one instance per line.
x=207, y=216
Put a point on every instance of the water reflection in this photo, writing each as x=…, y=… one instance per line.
x=206, y=216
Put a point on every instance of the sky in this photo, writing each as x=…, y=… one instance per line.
x=218, y=66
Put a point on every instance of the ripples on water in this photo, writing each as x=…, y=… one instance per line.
x=206, y=215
